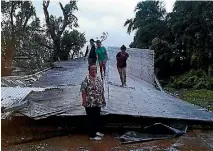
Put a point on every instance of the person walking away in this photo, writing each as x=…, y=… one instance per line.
x=121, y=58
x=90, y=53
x=93, y=99
x=102, y=57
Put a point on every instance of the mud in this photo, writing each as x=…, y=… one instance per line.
x=43, y=135
x=80, y=142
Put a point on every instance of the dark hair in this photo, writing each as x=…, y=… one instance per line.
x=98, y=41
x=92, y=40
x=123, y=47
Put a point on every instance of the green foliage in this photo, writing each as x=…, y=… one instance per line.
x=148, y=22
x=182, y=40
x=203, y=98
x=27, y=44
x=196, y=79
x=74, y=41
x=57, y=27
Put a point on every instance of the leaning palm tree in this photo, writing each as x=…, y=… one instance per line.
x=146, y=12
x=148, y=22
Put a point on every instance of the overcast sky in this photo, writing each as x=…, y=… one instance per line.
x=97, y=16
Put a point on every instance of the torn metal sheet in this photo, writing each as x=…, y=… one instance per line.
x=71, y=73
x=14, y=95
x=39, y=111
x=67, y=99
x=156, y=131
x=21, y=81
x=139, y=98
x=16, y=107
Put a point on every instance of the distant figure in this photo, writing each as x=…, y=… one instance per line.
x=102, y=57
x=121, y=58
x=90, y=53
x=93, y=99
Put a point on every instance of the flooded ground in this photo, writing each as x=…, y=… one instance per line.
x=29, y=135
x=193, y=141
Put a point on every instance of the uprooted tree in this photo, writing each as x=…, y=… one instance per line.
x=63, y=42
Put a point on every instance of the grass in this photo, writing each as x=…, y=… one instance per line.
x=203, y=97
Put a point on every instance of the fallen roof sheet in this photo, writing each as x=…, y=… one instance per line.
x=11, y=95
x=139, y=98
x=21, y=81
x=39, y=111
x=14, y=95
x=156, y=131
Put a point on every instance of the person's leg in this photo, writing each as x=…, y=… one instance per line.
x=104, y=67
x=89, y=63
x=90, y=122
x=101, y=69
x=124, y=76
x=120, y=74
x=97, y=116
x=93, y=62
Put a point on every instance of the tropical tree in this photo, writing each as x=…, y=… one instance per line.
x=148, y=23
x=192, y=27
x=18, y=19
x=71, y=40
x=56, y=26
x=182, y=40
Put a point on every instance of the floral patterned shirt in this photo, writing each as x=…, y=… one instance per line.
x=94, y=92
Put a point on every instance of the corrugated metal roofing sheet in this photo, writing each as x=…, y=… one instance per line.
x=12, y=95
x=139, y=98
x=39, y=111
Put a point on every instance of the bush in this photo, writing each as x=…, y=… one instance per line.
x=197, y=79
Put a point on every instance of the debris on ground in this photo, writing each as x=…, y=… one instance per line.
x=156, y=131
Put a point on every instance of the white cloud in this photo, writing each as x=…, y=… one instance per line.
x=108, y=22
x=97, y=16
x=169, y=4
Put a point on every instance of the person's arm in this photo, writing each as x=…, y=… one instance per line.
x=106, y=53
x=86, y=52
x=83, y=92
x=96, y=53
x=117, y=56
x=84, y=98
x=127, y=56
x=103, y=97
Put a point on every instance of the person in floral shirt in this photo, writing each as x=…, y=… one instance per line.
x=93, y=99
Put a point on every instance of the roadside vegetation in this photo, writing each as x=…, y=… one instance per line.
x=183, y=45
x=182, y=41
x=202, y=97
x=32, y=44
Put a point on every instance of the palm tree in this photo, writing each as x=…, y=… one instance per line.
x=148, y=17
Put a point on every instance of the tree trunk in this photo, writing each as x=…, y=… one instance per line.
x=56, y=54
x=7, y=58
